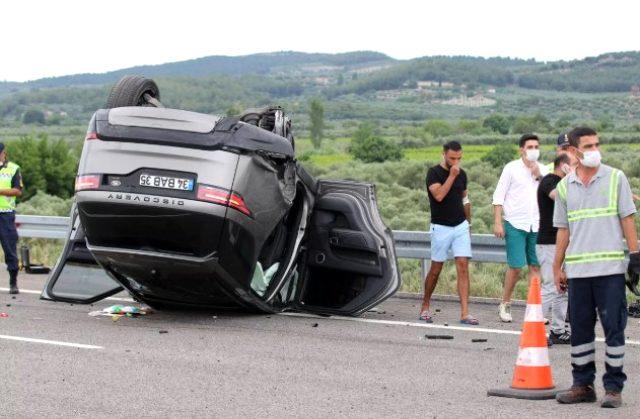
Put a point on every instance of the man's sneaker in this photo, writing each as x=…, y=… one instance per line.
x=563, y=338
x=577, y=394
x=505, y=312
x=612, y=399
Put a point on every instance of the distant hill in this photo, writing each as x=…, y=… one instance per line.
x=283, y=62
x=358, y=85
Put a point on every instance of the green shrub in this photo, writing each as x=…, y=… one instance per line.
x=369, y=147
x=501, y=154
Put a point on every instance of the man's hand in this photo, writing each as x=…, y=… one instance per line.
x=560, y=278
x=454, y=170
x=535, y=170
x=636, y=197
x=633, y=273
x=498, y=230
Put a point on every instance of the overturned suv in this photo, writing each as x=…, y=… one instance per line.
x=183, y=209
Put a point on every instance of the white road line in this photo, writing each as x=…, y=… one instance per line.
x=23, y=291
x=50, y=342
x=427, y=325
x=375, y=321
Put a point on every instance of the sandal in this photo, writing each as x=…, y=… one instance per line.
x=470, y=320
x=426, y=316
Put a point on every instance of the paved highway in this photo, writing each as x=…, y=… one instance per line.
x=56, y=361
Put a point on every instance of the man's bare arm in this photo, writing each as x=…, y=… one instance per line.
x=630, y=234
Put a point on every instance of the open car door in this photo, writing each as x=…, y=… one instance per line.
x=351, y=264
x=77, y=277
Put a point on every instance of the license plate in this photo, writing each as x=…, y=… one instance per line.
x=166, y=182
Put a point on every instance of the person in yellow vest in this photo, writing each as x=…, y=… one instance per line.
x=10, y=188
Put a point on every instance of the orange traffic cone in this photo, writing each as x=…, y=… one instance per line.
x=532, y=376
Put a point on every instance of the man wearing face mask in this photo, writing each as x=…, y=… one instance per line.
x=515, y=196
x=593, y=212
x=552, y=300
x=450, y=228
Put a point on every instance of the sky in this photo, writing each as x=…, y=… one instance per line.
x=53, y=38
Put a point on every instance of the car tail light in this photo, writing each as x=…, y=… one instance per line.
x=223, y=197
x=87, y=182
x=92, y=136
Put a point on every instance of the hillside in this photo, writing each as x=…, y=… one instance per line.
x=360, y=85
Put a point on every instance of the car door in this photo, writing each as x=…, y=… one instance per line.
x=77, y=277
x=350, y=264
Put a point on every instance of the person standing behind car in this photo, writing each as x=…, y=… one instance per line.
x=515, y=195
x=450, y=228
x=546, y=249
x=10, y=188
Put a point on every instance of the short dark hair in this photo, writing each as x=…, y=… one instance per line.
x=579, y=132
x=452, y=145
x=527, y=137
x=563, y=158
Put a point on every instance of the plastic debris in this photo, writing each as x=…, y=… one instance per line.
x=478, y=340
x=314, y=325
x=443, y=337
x=4, y=315
x=117, y=311
x=163, y=331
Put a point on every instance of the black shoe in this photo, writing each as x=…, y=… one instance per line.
x=560, y=338
x=612, y=399
x=577, y=394
x=13, y=282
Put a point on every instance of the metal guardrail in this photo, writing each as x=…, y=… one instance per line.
x=44, y=227
x=409, y=244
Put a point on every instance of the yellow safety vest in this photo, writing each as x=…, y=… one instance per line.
x=7, y=203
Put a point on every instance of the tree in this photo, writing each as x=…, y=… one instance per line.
x=48, y=166
x=501, y=154
x=497, y=123
x=234, y=110
x=316, y=115
x=438, y=128
x=369, y=147
x=33, y=116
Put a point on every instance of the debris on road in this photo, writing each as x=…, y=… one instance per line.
x=443, y=337
x=163, y=331
x=478, y=340
x=438, y=310
x=314, y=325
x=4, y=315
x=118, y=311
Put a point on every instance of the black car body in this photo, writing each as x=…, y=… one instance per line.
x=184, y=209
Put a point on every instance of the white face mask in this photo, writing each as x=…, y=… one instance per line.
x=532, y=155
x=591, y=158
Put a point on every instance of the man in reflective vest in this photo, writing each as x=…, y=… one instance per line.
x=10, y=187
x=593, y=212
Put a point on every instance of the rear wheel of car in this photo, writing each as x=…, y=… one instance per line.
x=133, y=91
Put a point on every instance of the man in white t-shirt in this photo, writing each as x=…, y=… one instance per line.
x=515, y=200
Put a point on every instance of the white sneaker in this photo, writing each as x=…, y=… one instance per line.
x=505, y=312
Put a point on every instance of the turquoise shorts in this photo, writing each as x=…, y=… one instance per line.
x=521, y=247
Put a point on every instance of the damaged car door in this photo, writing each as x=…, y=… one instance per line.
x=77, y=277
x=350, y=259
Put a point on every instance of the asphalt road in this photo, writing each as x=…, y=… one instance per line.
x=236, y=365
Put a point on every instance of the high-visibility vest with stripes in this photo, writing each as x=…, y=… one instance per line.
x=579, y=217
x=7, y=203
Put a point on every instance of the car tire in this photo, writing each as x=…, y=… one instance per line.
x=130, y=91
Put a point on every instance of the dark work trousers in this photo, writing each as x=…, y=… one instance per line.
x=606, y=294
x=9, y=240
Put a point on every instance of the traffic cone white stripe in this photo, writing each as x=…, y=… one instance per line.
x=533, y=357
x=533, y=313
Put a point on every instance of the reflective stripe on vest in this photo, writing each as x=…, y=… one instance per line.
x=581, y=214
x=593, y=257
x=7, y=203
x=608, y=211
